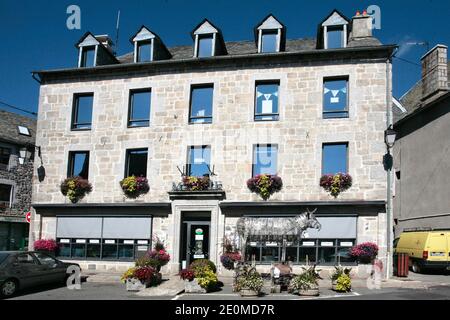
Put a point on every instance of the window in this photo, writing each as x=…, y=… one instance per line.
x=334, y=158
x=5, y=194
x=24, y=131
x=87, y=57
x=199, y=159
x=4, y=157
x=26, y=259
x=265, y=159
x=266, y=104
x=269, y=40
x=144, y=51
x=78, y=164
x=139, y=108
x=45, y=259
x=136, y=163
x=335, y=98
x=105, y=238
x=201, y=104
x=335, y=37
x=82, y=111
x=205, y=46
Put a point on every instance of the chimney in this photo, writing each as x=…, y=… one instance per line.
x=434, y=71
x=106, y=41
x=361, y=25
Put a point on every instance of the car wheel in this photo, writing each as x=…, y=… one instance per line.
x=416, y=268
x=9, y=288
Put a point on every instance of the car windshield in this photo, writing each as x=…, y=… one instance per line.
x=3, y=257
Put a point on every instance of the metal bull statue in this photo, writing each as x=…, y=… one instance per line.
x=267, y=229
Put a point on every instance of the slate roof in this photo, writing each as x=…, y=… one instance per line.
x=411, y=100
x=9, y=131
x=249, y=48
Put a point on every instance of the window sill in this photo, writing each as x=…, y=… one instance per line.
x=75, y=129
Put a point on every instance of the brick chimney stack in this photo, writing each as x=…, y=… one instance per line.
x=434, y=71
x=361, y=25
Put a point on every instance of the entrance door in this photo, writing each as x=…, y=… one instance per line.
x=197, y=241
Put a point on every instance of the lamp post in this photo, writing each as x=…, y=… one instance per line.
x=389, y=139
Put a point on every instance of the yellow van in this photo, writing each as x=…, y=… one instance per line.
x=426, y=249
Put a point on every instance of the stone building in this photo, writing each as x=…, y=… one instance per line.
x=422, y=150
x=228, y=110
x=17, y=135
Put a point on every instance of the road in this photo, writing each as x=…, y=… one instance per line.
x=115, y=291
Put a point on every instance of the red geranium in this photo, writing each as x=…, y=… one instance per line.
x=45, y=245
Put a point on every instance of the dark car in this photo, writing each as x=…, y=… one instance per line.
x=19, y=270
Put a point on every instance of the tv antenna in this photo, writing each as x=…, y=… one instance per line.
x=117, y=30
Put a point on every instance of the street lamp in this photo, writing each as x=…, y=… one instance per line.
x=389, y=139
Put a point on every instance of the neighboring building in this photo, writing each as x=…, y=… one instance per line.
x=17, y=136
x=298, y=108
x=422, y=150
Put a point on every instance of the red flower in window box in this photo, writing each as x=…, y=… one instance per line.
x=75, y=188
x=265, y=185
x=336, y=184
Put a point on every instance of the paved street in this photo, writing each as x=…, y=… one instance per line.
x=430, y=287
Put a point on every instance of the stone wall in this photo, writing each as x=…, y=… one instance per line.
x=299, y=133
x=20, y=176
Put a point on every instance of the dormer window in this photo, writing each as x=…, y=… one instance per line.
x=148, y=46
x=333, y=32
x=144, y=51
x=270, y=35
x=205, y=46
x=87, y=57
x=208, y=40
x=95, y=51
x=269, y=41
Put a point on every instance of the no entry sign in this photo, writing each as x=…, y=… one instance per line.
x=28, y=217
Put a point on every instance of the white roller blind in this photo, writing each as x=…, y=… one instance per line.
x=78, y=227
x=127, y=228
x=334, y=228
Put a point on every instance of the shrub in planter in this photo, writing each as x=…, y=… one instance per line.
x=207, y=279
x=133, y=187
x=187, y=274
x=341, y=275
x=364, y=252
x=201, y=264
x=49, y=245
x=139, y=278
x=306, y=283
x=248, y=282
x=336, y=184
x=192, y=183
x=75, y=188
x=228, y=259
x=265, y=185
x=155, y=258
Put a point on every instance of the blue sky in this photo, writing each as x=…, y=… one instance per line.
x=35, y=37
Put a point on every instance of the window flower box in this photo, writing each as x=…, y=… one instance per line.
x=133, y=187
x=265, y=185
x=336, y=184
x=191, y=183
x=75, y=188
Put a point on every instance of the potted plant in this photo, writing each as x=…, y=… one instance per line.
x=364, y=253
x=336, y=184
x=340, y=279
x=306, y=283
x=46, y=245
x=265, y=185
x=155, y=258
x=192, y=183
x=75, y=188
x=139, y=278
x=231, y=256
x=133, y=187
x=200, y=277
x=248, y=282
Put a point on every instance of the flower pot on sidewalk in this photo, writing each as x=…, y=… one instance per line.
x=248, y=293
x=134, y=284
x=312, y=292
